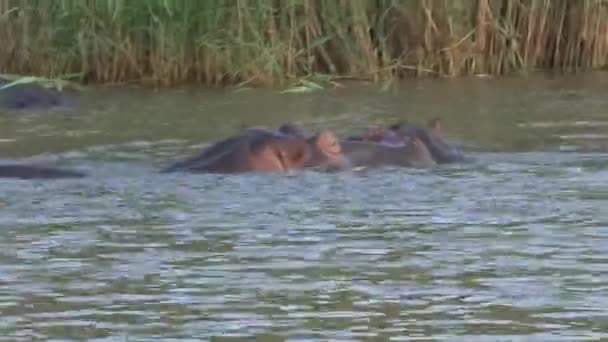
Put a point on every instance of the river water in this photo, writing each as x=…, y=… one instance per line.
x=511, y=247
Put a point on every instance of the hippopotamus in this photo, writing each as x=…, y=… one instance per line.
x=254, y=150
x=262, y=150
x=380, y=150
x=401, y=133
x=370, y=154
x=431, y=136
x=30, y=96
x=25, y=171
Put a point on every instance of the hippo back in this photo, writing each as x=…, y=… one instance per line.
x=24, y=171
x=30, y=96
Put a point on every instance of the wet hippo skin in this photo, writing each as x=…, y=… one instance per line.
x=261, y=150
x=373, y=154
x=399, y=134
x=378, y=151
x=431, y=136
x=30, y=96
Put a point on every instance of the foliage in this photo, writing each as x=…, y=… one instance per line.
x=270, y=42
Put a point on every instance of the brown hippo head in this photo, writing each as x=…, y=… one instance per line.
x=431, y=136
x=326, y=151
x=289, y=152
x=320, y=150
x=288, y=149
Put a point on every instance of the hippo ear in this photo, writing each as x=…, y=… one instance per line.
x=328, y=142
x=435, y=125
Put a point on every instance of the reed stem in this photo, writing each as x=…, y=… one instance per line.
x=270, y=42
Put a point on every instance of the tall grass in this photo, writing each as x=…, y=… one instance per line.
x=265, y=42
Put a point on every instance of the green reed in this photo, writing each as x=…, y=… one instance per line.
x=268, y=42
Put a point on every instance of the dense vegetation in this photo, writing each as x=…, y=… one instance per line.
x=266, y=42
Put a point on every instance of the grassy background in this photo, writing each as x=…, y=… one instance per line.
x=271, y=42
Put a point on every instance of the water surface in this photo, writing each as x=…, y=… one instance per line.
x=512, y=247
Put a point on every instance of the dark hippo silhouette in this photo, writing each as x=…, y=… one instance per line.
x=30, y=96
x=390, y=149
x=400, y=133
x=373, y=154
x=25, y=171
x=431, y=136
x=258, y=149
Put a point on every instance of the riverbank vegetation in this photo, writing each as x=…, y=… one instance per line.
x=272, y=42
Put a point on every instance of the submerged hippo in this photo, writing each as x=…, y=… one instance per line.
x=31, y=96
x=258, y=149
x=380, y=151
x=254, y=150
x=25, y=171
x=401, y=134
x=432, y=137
x=371, y=154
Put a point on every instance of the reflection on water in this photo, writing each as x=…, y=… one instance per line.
x=510, y=247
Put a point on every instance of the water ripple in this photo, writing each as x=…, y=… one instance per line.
x=510, y=247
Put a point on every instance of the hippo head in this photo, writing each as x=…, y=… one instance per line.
x=326, y=151
x=323, y=148
x=291, y=150
x=431, y=136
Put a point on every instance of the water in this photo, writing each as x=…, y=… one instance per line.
x=512, y=247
